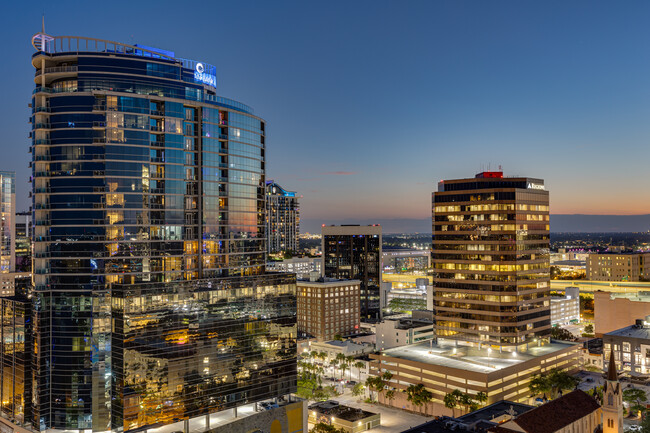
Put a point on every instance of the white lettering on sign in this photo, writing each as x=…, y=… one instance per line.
x=201, y=76
x=535, y=186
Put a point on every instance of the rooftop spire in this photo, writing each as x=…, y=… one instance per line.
x=611, y=370
x=43, y=27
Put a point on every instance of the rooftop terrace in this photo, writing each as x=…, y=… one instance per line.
x=336, y=410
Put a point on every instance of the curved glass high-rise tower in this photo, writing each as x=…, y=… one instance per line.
x=150, y=301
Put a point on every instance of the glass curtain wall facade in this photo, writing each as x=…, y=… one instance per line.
x=491, y=260
x=282, y=218
x=354, y=253
x=7, y=221
x=149, y=245
x=15, y=360
x=23, y=242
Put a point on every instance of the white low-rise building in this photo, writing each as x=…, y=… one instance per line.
x=347, y=348
x=403, y=331
x=566, y=309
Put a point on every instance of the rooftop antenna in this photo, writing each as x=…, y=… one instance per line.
x=40, y=40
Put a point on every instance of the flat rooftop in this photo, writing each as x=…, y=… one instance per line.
x=333, y=408
x=408, y=323
x=500, y=408
x=570, y=263
x=446, y=354
x=633, y=331
x=640, y=296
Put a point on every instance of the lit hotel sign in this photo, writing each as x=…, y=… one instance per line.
x=205, y=74
x=535, y=186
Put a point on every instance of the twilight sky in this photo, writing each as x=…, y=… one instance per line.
x=370, y=103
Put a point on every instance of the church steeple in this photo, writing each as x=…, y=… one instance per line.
x=611, y=370
x=612, y=399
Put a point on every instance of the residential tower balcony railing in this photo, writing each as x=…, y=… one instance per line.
x=56, y=69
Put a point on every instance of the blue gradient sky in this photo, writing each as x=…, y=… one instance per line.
x=370, y=103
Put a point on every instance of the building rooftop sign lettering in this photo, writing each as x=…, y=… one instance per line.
x=205, y=75
x=532, y=185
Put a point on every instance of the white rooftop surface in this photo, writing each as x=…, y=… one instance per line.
x=198, y=424
x=469, y=358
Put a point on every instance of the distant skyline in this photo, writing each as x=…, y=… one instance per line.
x=577, y=223
x=370, y=103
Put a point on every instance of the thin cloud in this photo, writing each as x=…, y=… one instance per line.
x=340, y=173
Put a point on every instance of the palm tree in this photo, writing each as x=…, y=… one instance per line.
x=425, y=396
x=481, y=397
x=451, y=401
x=340, y=359
x=359, y=365
x=350, y=363
x=370, y=384
x=343, y=367
x=384, y=379
x=418, y=395
x=390, y=395
x=334, y=363
x=465, y=399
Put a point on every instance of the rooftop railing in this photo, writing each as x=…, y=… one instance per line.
x=78, y=44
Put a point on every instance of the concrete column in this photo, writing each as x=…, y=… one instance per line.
x=207, y=421
x=234, y=411
x=186, y=425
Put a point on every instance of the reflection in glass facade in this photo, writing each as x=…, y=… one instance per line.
x=491, y=260
x=15, y=361
x=150, y=302
x=189, y=349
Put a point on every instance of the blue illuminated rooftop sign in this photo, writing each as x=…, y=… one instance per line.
x=205, y=74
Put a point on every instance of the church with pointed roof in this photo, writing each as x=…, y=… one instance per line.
x=612, y=404
x=574, y=412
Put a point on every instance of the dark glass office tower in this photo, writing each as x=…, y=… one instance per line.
x=491, y=257
x=353, y=252
x=150, y=301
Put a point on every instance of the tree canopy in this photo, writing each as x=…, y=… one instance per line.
x=471, y=402
x=636, y=398
x=321, y=427
x=418, y=395
x=552, y=382
x=558, y=333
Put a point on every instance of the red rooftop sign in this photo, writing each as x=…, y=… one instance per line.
x=496, y=174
